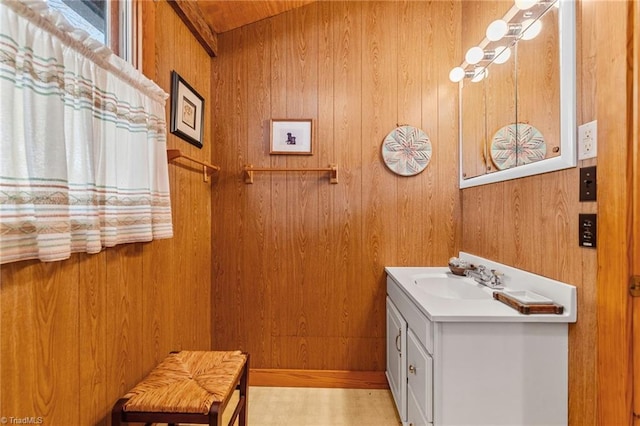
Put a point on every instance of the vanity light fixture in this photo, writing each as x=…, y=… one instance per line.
x=531, y=29
x=474, y=55
x=520, y=22
x=525, y=4
x=502, y=54
x=479, y=74
x=458, y=74
x=497, y=29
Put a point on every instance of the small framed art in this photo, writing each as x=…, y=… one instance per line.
x=187, y=111
x=292, y=136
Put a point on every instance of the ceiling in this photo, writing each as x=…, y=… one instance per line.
x=224, y=15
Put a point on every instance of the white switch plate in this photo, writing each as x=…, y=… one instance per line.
x=588, y=140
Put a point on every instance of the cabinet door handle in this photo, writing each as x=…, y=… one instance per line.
x=412, y=369
x=397, y=338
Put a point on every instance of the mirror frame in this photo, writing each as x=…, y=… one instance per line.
x=568, y=123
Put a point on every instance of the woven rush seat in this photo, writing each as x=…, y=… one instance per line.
x=188, y=387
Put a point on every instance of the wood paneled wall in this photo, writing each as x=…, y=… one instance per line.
x=532, y=223
x=75, y=335
x=298, y=263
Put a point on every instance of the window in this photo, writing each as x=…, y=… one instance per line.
x=109, y=22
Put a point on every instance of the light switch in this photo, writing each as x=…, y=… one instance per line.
x=588, y=183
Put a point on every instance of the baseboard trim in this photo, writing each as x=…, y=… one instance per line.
x=318, y=378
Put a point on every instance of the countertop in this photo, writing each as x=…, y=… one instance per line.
x=442, y=309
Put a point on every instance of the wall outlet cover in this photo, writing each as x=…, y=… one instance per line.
x=588, y=232
x=588, y=140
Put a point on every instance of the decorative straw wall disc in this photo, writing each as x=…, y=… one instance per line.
x=406, y=150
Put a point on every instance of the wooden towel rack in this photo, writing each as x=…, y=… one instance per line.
x=249, y=169
x=207, y=169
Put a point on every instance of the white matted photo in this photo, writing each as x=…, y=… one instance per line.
x=187, y=111
x=291, y=136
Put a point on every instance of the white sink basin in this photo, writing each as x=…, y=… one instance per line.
x=445, y=297
x=448, y=287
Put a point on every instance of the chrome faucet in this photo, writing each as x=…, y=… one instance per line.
x=482, y=275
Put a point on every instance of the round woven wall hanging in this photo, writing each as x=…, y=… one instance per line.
x=517, y=144
x=406, y=150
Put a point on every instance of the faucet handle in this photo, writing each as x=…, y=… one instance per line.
x=497, y=278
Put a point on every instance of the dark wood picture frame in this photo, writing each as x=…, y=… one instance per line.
x=187, y=111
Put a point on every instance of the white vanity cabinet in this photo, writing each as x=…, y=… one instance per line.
x=419, y=383
x=396, y=356
x=474, y=362
x=413, y=390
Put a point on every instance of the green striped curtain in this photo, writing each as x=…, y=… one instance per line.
x=82, y=142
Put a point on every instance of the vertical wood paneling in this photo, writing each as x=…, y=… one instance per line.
x=356, y=69
x=446, y=192
x=242, y=296
x=634, y=135
x=76, y=334
x=124, y=318
x=379, y=77
x=613, y=108
x=416, y=227
x=301, y=188
x=279, y=231
x=19, y=352
x=257, y=264
x=226, y=251
x=347, y=197
x=38, y=342
x=92, y=347
x=531, y=223
x=327, y=295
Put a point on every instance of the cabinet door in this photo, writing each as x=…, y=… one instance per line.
x=415, y=415
x=420, y=376
x=396, y=352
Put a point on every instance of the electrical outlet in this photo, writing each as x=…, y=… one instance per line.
x=588, y=140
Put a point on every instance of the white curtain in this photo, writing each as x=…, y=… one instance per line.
x=83, y=160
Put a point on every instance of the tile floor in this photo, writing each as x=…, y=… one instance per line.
x=319, y=407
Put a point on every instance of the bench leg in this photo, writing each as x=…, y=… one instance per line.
x=116, y=412
x=244, y=393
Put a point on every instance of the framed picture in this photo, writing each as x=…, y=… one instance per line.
x=187, y=111
x=291, y=136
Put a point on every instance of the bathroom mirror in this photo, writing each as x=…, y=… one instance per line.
x=529, y=97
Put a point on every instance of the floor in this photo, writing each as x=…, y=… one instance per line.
x=319, y=407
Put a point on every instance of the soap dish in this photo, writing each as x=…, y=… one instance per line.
x=460, y=270
x=528, y=302
x=527, y=297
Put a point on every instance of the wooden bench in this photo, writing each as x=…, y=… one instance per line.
x=188, y=387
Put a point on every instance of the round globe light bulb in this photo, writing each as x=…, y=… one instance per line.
x=531, y=29
x=497, y=29
x=525, y=4
x=502, y=55
x=456, y=75
x=479, y=74
x=474, y=55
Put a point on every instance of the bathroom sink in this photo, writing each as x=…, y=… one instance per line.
x=447, y=287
